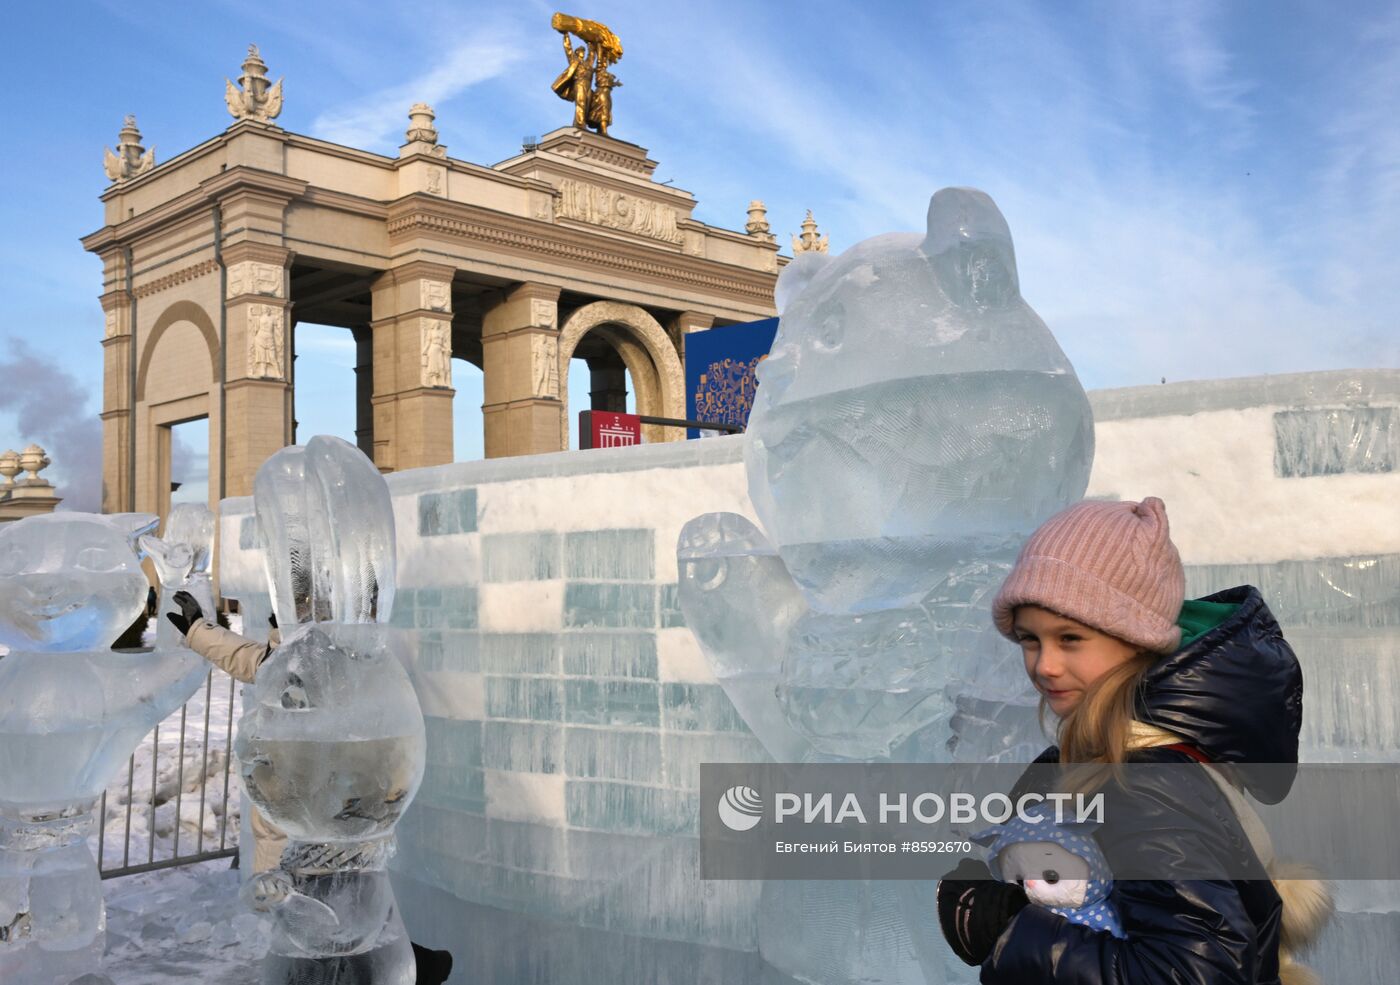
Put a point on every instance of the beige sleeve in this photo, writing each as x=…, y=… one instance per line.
x=236, y=655
x=269, y=841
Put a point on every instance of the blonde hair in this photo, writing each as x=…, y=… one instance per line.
x=1096, y=732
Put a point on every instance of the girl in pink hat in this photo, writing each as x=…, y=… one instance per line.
x=1134, y=672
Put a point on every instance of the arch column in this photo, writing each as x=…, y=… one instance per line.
x=258, y=361
x=521, y=409
x=364, y=390
x=411, y=308
x=685, y=323
x=118, y=374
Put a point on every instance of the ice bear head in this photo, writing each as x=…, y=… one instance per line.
x=912, y=405
x=70, y=581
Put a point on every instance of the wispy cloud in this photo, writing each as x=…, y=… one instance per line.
x=378, y=118
x=1144, y=266
x=1190, y=33
x=1360, y=178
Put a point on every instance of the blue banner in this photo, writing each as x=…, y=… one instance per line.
x=719, y=371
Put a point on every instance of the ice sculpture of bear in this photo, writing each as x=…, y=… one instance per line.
x=71, y=712
x=915, y=420
x=331, y=744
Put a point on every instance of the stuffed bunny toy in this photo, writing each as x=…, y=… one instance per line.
x=1059, y=865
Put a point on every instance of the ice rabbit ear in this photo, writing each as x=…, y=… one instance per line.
x=279, y=501
x=353, y=517
x=327, y=525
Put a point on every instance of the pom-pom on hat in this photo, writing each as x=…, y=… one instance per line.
x=1110, y=566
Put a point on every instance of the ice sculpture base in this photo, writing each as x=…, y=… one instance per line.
x=391, y=964
x=335, y=920
x=52, y=922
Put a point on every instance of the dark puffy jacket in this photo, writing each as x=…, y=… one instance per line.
x=1236, y=694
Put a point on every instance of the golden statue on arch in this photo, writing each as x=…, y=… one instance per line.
x=586, y=82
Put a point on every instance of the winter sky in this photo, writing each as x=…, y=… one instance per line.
x=1195, y=190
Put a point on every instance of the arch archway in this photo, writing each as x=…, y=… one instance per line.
x=644, y=348
x=177, y=312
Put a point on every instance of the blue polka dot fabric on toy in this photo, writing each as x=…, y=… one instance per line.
x=1077, y=839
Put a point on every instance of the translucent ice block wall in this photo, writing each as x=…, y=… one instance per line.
x=553, y=839
x=1291, y=483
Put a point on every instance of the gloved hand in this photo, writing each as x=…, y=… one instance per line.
x=189, y=613
x=974, y=909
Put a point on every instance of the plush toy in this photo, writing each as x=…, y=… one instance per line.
x=1059, y=865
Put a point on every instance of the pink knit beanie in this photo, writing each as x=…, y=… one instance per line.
x=1111, y=566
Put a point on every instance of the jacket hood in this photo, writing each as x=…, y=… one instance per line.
x=1235, y=692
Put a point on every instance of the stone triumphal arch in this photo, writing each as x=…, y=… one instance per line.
x=570, y=249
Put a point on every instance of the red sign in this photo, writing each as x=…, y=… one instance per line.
x=604, y=429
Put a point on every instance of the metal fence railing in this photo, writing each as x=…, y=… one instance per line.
x=177, y=801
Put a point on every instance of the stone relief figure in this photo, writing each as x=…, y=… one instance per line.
x=437, y=354
x=265, y=341
x=605, y=207
x=586, y=81
x=131, y=159
x=546, y=359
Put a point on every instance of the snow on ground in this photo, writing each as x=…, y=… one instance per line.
x=177, y=773
x=185, y=924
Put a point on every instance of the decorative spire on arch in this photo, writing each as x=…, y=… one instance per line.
x=257, y=99
x=757, y=226
x=809, y=241
x=131, y=159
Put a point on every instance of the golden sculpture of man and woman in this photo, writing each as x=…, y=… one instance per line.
x=586, y=82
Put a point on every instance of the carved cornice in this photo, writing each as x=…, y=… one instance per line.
x=536, y=292
x=418, y=270
x=191, y=272
x=278, y=256
x=610, y=157
x=580, y=145
x=242, y=178
x=237, y=180
x=549, y=242
x=112, y=300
